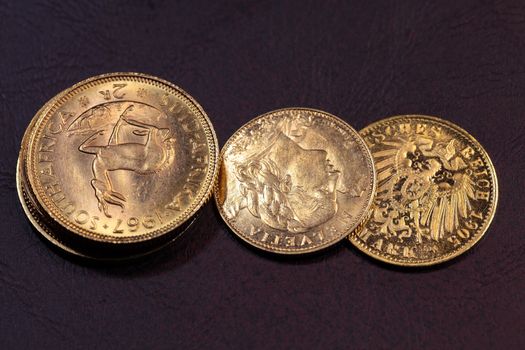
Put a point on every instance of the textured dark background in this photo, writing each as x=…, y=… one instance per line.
x=462, y=60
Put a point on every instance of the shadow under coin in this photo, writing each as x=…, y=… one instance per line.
x=405, y=269
x=176, y=252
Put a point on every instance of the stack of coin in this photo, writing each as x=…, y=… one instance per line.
x=117, y=166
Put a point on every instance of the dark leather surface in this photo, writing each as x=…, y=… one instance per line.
x=462, y=60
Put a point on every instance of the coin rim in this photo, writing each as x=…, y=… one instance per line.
x=40, y=225
x=471, y=242
x=286, y=251
x=208, y=183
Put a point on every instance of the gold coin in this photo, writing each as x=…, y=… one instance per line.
x=295, y=180
x=120, y=159
x=437, y=191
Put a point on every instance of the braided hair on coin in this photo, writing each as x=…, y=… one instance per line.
x=265, y=190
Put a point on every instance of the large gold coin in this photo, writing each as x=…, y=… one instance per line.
x=117, y=160
x=436, y=194
x=294, y=181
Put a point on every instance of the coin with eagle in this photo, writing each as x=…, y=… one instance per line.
x=437, y=191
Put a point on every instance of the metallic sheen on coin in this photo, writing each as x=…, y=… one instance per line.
x=117, y=160
x=295, y=180
x=437, y=191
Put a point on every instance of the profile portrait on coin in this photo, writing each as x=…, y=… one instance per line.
x=289, y=187
x=295, y=180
